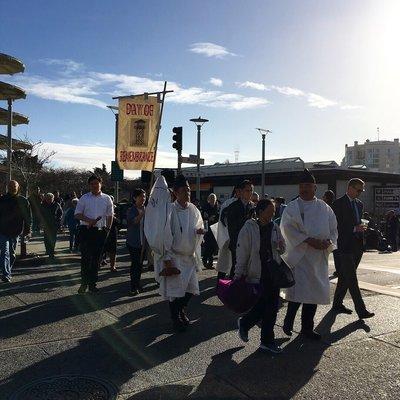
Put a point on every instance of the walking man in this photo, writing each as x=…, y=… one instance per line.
x=348, y=210
x=309, y=228
x=15, y=220
x=235, y=215
x=177, y=271
x=95, y=211
x=51, y=215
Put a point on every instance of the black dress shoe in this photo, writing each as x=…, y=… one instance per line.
x=82, y=289
x=134, y=292
x=287, y=330
x=311, y=335
x=93, y=289
x=366, y=314
x=342, y=310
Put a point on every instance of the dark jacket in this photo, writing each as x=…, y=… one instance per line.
x=15, y=215
x=210, y=213
x=235, y=215
x=348, y=241
x=50, y=215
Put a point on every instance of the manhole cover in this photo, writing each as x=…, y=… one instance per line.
x=67, y=387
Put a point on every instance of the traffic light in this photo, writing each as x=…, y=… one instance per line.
x=177, y=138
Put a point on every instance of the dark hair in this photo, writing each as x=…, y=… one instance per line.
x=330, y=196
x=245, y=183
x=94, y=178
x=280, y=200
x=263, y=204
x=138, y=192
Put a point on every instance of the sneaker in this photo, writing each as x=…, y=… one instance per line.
x=271, y=347
x=82, y=289
x=6, y=279
x=242, y=333
x=134, y=292
x=184, y=318
x=113, y=269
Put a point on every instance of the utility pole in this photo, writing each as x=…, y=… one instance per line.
x=263, y=134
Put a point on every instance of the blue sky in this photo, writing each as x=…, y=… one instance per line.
x=319, y=74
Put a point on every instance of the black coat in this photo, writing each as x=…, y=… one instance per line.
x=348, y=242
x=15, y=215
x=51, y=216
x=235, y=215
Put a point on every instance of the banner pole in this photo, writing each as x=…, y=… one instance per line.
x=158, y=134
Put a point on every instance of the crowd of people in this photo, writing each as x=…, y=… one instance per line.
x=251, y=236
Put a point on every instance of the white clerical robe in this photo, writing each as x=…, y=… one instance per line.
x=224, y=263
x=183, y=247
x=301, y=220
x=156, y=221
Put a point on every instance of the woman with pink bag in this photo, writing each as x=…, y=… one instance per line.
x=259, y=247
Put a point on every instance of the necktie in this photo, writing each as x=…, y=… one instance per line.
x=356, y=214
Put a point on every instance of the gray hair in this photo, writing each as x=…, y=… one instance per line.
x=49, y=196
x=212, y=195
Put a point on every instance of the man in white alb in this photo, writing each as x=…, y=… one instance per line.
x=309, y=228
x=95, y=211
x=182, y=239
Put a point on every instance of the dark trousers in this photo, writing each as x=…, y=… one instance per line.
x=72, y=238
x=91, y=244
x=307, y=316
x=50, y=238
x=265, y=310
x=136, y=266
x=347, y=280
x=233, y=253
x=177, y=306
x=209, y=248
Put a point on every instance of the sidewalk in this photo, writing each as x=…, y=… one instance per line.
x=47, y=330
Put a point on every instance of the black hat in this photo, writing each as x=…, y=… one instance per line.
x=307, y=177
x=180, y=181
x=169, y=175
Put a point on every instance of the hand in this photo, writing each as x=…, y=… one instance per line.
x=92, y=222
x=168, y=264
x=361, y=228
x=200, y=231
x=316, y=244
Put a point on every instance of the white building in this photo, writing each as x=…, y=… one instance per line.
x=381, y=155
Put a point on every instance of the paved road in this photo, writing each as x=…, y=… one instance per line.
x=47, y=330
x=379, y=273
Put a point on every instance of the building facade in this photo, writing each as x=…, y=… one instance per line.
x=380, y=155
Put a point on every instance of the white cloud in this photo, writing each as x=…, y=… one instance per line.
x=317, y=101
x=69, y=65
x=210, y=50
x=349, y=107
x=288, y=91
x=314, y=100
x=252, y=85
x=94, y=88
x=216, y=82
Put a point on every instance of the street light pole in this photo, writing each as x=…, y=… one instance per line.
x=9, y=140
x=199, y=123
x=263, y=135
x=198, y=164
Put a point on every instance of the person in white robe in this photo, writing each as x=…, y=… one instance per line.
x=182, y=236
x=309, y=228
x=155, y=221
x=224, y=262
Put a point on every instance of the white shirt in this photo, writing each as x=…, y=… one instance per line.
x=92, y=206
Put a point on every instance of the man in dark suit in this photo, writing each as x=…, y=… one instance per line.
x=348, y=210
x=235, y=215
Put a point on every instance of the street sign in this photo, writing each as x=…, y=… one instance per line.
x=117, y=174
x=192, y=159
